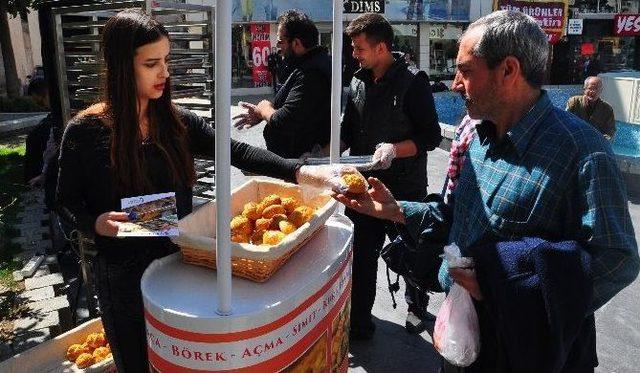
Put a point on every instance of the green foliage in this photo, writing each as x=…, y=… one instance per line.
x=11, y=187
x=19, y=104
x=21, y=7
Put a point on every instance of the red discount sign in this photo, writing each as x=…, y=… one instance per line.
x=260, y=49
x=626, y=24
x=550, y=16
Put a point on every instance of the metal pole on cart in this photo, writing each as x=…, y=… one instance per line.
x=223, y=153
x=336, y=81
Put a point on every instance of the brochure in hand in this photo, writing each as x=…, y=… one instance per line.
x=152, y=215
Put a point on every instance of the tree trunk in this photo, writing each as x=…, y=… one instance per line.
x=11, y=72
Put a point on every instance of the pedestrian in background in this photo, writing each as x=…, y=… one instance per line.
x=592, y=109
x=300, y=115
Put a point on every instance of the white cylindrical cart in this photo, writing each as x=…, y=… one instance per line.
x=298, y=320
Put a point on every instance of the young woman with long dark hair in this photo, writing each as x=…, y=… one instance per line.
x=136, y=142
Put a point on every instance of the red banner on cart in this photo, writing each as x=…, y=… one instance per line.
x=260, y=49
x=551, y=16
x=626, y=25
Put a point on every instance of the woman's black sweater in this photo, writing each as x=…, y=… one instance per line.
x=85, y=187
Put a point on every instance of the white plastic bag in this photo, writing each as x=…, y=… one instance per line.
x=456, y=335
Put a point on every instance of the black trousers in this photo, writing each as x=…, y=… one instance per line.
x=368, y=239
x=120, y=298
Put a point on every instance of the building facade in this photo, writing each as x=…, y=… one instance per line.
x=604, y=33
x=25, y=39
x=426, y=29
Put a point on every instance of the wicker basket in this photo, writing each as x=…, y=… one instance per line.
x=256, y=263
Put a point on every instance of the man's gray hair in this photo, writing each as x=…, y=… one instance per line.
x=512, y=33
x=597, y=80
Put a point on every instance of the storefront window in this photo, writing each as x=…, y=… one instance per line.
x=610, y=53
x=443, y=49
x=406, y=40
x=616, y=53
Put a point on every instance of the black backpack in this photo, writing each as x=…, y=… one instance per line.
x=419, y=262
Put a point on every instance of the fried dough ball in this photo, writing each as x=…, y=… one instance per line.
x=240, y=224
x=256, y=237
x=250, y=211
x=286, y=227
x=263, y=224
x=356, y=183
x=273, y=210
x=290, y=204
x=275, y=221
x=272, y=237
x=75, y=350
x=301, y=215
x=271, y=199
x=240, y=237
x=100, y=354
x=95, y=340
x=85, y=360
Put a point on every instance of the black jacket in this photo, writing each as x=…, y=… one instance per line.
x=303, y=107
x=85, y=189
x=398, y=107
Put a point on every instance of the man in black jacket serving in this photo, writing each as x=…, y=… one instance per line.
x=300, y=115
x=390, y=113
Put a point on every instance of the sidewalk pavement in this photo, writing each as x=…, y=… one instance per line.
x=393, y=349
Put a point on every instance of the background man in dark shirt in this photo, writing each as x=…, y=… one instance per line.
x=389, y=113
x=299, y=116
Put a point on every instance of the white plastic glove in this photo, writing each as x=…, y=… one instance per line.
x=324, y=176
x=385, y=153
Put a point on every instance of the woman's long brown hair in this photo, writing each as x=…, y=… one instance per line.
x=121, y=36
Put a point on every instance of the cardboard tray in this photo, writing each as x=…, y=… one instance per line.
x=49, y=356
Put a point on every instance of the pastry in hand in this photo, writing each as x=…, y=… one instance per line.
x=355, y=182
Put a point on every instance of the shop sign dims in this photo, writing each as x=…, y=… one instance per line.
x=363, y=6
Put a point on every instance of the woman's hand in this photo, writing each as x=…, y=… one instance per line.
x=377, y=202
x=107, y=223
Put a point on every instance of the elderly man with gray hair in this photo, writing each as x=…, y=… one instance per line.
x=540, y=205
x=592, y=109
